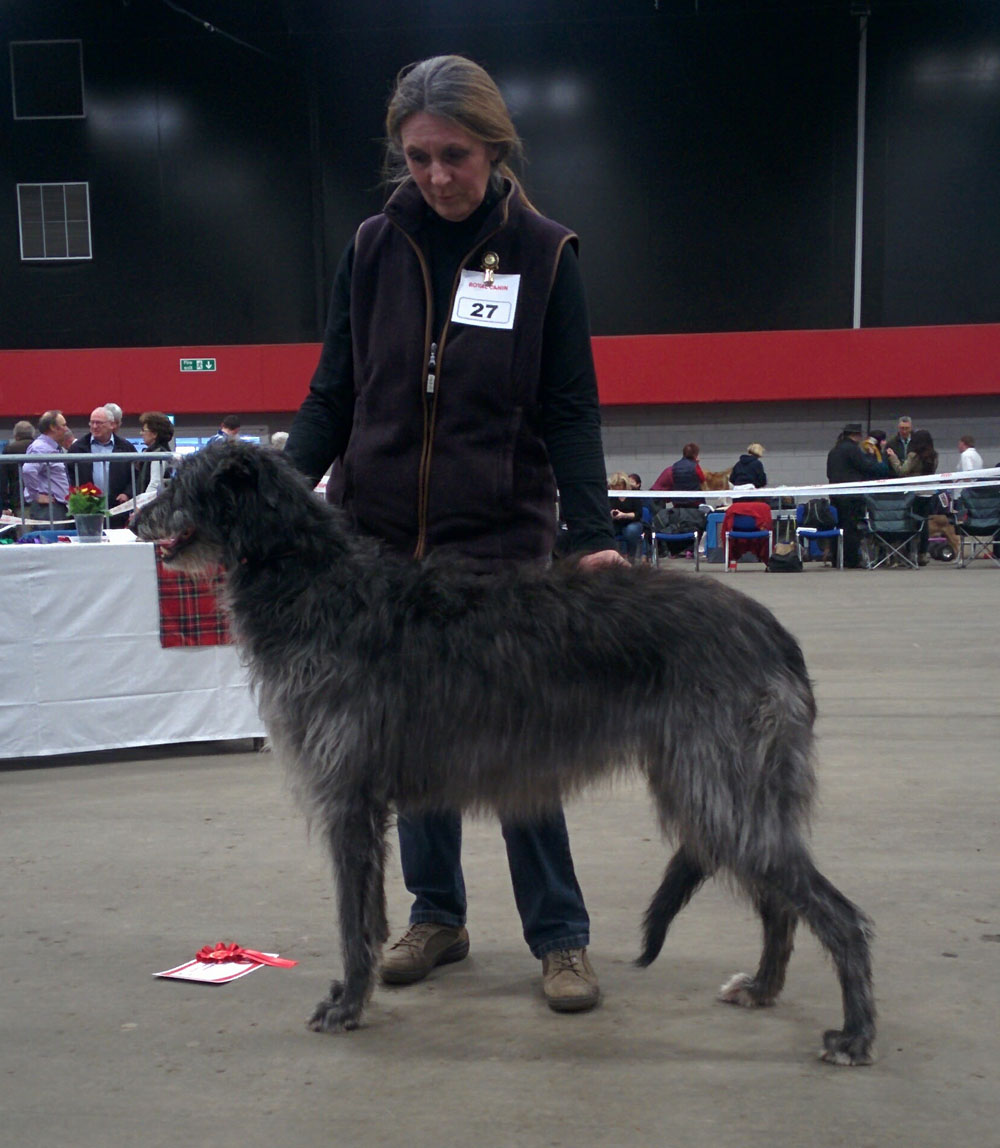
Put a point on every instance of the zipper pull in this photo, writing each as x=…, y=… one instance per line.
x=431, y=365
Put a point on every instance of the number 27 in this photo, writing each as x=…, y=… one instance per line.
x=478, y=310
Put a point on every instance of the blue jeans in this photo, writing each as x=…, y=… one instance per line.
x=546, y=892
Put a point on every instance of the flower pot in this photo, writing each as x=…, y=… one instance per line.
x=89, y=527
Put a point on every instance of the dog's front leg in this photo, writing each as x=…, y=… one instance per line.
x=356, y=837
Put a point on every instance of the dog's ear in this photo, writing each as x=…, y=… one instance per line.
x=233, y=463
x=242, y=469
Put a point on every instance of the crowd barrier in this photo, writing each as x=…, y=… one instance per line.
x=73, y=460
x=949, y=480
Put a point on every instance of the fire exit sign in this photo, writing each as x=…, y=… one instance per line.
x=197, y=364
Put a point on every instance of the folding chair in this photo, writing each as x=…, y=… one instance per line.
x=978, y=519
x=892, y=529
x=815, y=533
x=745, y=527
x=692, y=536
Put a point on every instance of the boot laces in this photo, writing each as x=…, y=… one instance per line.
x=415, y=937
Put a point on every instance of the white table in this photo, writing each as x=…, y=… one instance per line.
x=81, y=665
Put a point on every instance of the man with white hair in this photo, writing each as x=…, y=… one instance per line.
x=116, y=413
x=114, y=481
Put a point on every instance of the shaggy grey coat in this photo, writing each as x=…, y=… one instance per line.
x=390, y=684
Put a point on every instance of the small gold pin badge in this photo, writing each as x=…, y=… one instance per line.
x=491, y=263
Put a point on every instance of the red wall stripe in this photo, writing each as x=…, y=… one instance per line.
x=754, y=366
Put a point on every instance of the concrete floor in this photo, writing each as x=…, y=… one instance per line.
x=118, y=866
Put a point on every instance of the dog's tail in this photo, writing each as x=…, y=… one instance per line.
x=680, y=882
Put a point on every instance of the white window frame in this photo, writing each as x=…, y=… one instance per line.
x=45, y=257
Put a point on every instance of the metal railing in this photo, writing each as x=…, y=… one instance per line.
x=72, y=462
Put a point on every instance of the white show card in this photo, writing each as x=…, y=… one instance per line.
x=482, y=304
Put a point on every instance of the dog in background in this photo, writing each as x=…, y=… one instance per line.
x=391, y=684
x=716, y=479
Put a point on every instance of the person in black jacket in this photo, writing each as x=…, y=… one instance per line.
x=119, y=482
x=10, y=487
x=455, y=392
x=748, y=469
x=847, y=462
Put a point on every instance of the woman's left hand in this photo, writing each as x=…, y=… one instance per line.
x=602, y=558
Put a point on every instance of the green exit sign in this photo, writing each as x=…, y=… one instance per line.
x=197, y=364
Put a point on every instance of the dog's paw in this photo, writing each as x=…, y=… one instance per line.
x=741, y=989
x=333, y=1015
x=850, y=1051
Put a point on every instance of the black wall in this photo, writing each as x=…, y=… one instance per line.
x=705, y=152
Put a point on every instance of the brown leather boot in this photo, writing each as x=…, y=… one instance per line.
x=568, y=981
x=421, y=948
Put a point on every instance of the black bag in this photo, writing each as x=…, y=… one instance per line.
x=818, y=514
x=784, y=560
x=679, y=520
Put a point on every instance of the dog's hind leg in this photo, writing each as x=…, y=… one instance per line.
x=680, y=882
x=779, y=921
x=357, y=839
x=844, y=931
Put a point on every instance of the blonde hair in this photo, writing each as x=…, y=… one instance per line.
x=457, y=89
x=618, y=481
x=755, y=448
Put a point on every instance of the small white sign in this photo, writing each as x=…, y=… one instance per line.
x=482, y=304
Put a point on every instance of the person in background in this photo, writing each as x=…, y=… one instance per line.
x=118, y=482
x=748, y=470
x=626, y=515
x=229, y=430
x=157, y=433
x=46, y=483
x=847, y=462
x=900, y=441
x=686, y=474
x=116, y=413
x=968, y=457
x=874, y=444
x=921, y=459
x=10, y=488
x=451, y=437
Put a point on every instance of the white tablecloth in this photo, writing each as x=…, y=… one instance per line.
x=81, y=665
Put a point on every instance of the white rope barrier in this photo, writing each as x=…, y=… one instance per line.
x=927, y=483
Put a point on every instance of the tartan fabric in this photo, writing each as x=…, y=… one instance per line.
x=190, y=612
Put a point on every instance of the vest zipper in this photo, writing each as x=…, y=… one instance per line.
x=433, y=355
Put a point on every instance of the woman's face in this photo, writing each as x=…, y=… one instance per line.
x=450, y=166
x=147, y=435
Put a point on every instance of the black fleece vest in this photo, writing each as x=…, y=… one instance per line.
x=459, y=462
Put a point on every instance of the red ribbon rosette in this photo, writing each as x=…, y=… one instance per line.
x=233, y=953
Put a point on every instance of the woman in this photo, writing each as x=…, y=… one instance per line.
x=686, y=473
x=455, y=391
x=921, y=458
x=157, y=431
x=748, y=469
x=626, y=514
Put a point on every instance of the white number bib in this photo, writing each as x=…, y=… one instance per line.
x=486, y=304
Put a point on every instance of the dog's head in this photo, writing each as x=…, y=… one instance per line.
x=224, y=505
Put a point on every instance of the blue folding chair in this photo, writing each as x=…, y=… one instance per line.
x=745, y=526
x=691, y=536
x=814, y=533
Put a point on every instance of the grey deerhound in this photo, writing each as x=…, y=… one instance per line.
x=387, y=683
